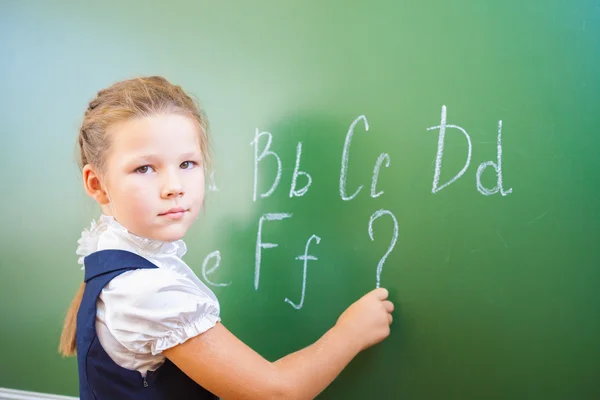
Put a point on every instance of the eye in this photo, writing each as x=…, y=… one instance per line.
x=144, y=169
x=187, y=165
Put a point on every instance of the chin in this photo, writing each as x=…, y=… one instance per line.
x=171, y=233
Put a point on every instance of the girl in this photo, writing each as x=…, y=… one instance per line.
x=143, y=325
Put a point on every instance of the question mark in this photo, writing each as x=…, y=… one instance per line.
x=376, y=215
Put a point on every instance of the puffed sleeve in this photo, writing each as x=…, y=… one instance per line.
x=150, y=310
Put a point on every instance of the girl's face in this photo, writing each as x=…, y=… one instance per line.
x=154, y=176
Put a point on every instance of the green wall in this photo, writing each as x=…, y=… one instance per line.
x=496, y=295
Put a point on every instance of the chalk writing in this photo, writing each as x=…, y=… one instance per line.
x=440, y=152
x=305, y=257
x=212, y=186
x=345, y=157
x=301, y=192
x=497, y=166
x=301, y=182
x=382, y=157
x=261, y=245
x=376, y=215
x=258, y=159
x=205, y=274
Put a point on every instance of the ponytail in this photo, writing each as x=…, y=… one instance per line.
x=67, y=346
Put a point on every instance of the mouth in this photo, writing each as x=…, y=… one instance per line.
x=174, y=213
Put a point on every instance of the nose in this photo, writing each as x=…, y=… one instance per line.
x=172, y=186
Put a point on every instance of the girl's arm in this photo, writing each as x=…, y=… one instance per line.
x=223, y=364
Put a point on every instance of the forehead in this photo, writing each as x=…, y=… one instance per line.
x=167, y=134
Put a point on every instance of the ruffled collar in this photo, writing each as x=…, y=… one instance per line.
x=89, y=241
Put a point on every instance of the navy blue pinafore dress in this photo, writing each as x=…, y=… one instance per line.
x=100, y=378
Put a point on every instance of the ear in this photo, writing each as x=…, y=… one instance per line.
x=93, y=185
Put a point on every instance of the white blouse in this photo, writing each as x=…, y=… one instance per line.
x=142, y=312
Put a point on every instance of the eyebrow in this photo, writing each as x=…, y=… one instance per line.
x=144, y=157
x=192, y=154
x=149, y=158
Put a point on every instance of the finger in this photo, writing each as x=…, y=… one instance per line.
x=388, y=305
x=381, y=293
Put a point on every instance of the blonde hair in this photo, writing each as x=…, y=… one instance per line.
x=125, y=100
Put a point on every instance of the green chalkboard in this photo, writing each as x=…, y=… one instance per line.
x=495, y=283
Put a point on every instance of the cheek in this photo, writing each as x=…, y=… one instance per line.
x=195, y=187
x=136, y=195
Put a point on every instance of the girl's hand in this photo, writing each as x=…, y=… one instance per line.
x=367, y=321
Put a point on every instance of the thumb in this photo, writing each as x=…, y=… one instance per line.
x=380, y=293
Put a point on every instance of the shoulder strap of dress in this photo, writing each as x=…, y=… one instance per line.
x=107, y=261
